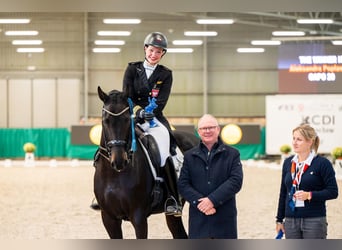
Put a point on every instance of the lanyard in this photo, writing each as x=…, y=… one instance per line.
x=297, y=173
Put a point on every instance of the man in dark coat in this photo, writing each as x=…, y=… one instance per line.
x=210, y=178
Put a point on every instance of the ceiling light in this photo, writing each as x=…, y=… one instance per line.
x=109, y=42
x=288, y=33
x=315, y=21
x=121, y=21
x=200, y=33
x=187, y=42
x=21, y=33
x=113, y=33
x=106, y=50
x=15, y=20
x=30, y=50
x=265, y=42
x=250, y=50
x=214, y=21
x=180, y=50
x=337, y=42
x=27, y=42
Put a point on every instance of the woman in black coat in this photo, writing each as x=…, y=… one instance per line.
x=147, y=79
x=210, y=178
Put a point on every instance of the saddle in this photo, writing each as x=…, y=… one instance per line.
x=151, y=150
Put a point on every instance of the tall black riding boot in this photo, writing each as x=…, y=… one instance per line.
x=173, y=205
x=152, y=150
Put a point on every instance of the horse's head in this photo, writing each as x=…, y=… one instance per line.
x=115, y=127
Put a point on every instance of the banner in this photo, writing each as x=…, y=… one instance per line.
x=310, y=68
x=285, y=112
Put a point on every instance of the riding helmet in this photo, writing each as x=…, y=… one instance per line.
x=156, y=39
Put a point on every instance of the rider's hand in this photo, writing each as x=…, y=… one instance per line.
x=148, y=116
x=144, y=115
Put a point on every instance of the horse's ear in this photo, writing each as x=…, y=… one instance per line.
x=102, y=95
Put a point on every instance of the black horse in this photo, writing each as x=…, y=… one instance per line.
x=123, y=180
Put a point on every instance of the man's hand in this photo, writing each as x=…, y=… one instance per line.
x=206, y=206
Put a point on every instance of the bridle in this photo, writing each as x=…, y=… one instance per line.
x=120, y=143
x=115, y=143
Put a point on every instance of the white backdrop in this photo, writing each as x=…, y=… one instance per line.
x=285, y=112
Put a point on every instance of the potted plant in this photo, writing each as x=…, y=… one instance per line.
x=285, y=149
x=337, y=153
x=29, y=149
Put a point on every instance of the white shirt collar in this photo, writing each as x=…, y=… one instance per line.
x=308, y=160
x=148, y=66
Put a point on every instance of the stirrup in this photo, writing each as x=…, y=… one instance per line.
x=173, y=208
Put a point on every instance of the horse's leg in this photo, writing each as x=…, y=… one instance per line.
x=113, y=226
x=176, y=227
x=139, y=222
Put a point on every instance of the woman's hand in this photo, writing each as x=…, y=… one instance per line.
x=302, y=195
x=280, y=226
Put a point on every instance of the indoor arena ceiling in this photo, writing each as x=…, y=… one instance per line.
x=55, y=28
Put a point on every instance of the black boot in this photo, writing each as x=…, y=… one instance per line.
x=157, y=193
x=94, y=205
x=173, y=204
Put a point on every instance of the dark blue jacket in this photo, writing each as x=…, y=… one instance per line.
x=218, y=177
x=319, y=178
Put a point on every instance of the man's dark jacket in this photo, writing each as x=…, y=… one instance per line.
x=219, y=177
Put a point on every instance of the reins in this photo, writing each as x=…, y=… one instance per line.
x=134, y=142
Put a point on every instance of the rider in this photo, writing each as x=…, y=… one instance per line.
x=148, y=79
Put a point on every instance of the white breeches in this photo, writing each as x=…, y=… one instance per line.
x=162, y=137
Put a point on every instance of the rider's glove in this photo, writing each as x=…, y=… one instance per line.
x=142, y=114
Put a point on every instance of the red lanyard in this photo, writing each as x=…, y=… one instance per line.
x=297, y=175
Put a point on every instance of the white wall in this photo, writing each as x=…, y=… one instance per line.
x=40, y=103
x=44, y=103
x=68, y=102
x=3, y=103
x=19, y=103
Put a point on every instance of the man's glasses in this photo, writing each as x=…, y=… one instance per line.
x=207, y=128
